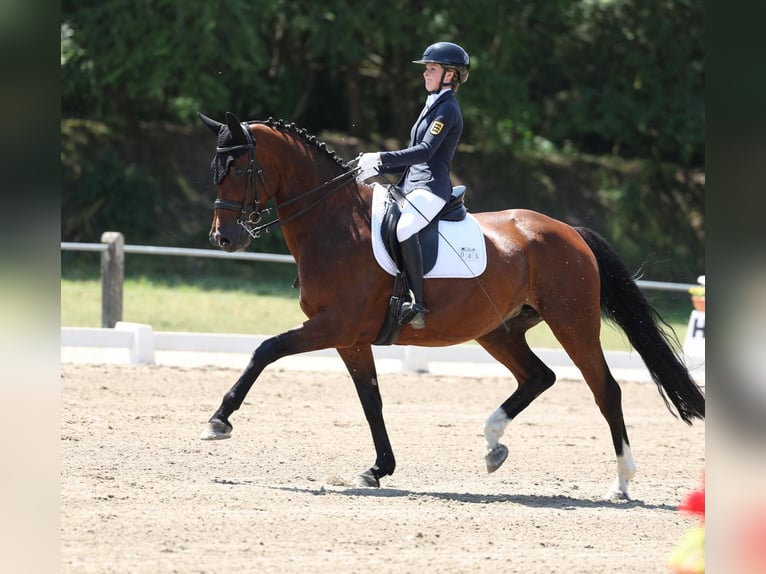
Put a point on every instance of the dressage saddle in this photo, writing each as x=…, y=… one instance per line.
x=454, y=210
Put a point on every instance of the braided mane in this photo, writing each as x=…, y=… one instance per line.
x=303, y=133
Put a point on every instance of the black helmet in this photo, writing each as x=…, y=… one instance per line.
x=449, y=55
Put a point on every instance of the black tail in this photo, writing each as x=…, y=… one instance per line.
x=624, y=303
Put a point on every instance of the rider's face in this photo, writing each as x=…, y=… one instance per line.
x=433, y=75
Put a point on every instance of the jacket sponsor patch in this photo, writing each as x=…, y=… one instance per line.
x=436, y=128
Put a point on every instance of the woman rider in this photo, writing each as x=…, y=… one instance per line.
x=426, y=179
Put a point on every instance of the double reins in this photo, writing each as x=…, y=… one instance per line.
x=250, y=210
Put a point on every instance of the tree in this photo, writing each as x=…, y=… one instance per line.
x=565, y=79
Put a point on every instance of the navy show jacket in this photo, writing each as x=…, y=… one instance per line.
x=433, y=141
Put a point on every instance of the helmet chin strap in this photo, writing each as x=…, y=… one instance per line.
x=442, y=83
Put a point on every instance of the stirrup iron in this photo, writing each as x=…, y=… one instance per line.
x=412, y=313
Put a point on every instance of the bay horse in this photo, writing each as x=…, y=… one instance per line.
x=537, y=269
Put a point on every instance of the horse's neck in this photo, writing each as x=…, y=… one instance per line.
x=339, y=220
x=335, y=215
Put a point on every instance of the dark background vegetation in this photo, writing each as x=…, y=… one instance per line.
x=590, y=111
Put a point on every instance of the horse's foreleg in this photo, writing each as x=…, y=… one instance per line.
x=361, y=366
x=511, y=349
x=219, y=427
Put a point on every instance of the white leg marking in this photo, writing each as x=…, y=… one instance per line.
x=626, y=470
x=494, y=427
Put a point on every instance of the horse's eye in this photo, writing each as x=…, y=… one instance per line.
x=237, y=171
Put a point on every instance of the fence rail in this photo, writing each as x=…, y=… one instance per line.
x=180, y=251
x=113, y=250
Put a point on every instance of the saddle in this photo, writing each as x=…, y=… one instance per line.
x=454, y=210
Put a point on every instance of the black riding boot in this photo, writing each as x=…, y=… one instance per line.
x=413, y=312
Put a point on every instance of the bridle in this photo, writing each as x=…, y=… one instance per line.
x=250, y=210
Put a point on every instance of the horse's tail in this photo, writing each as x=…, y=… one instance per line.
x=624, y=303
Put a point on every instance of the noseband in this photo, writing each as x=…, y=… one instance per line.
x=250, y=212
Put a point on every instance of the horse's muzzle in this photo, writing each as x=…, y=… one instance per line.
x=224, y=242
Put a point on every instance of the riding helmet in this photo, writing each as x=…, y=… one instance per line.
x=449, y=55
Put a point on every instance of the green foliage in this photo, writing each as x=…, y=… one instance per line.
x=619, y=77
x=559, y=93
x=150, y=58
x=107, y=191
x=635, y=81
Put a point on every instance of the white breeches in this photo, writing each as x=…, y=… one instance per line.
x=420, y=207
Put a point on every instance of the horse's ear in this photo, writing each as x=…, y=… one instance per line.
x=235, y=127
x=213, y=125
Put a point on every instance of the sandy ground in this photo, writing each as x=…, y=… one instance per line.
x=141, y=493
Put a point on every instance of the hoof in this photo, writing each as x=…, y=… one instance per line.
x=618, y=491
x=616, y=496
x=216, y=430
x=496, y=457
x=367, y=480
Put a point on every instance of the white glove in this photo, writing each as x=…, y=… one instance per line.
x=368, y=166
x=368, y=161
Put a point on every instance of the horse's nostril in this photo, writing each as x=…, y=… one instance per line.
x=219, y=240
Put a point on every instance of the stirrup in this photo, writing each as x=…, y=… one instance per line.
x=413, y=314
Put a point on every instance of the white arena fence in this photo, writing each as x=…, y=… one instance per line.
x=141, y=341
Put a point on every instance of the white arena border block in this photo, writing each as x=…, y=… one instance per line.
x=137, y=338
x=141, y=343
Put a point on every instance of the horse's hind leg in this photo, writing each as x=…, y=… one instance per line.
x=608, y=397
x=578, y=332
x=361, y=366
x=511, y=349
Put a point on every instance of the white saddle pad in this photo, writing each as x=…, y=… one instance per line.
x=462, y=249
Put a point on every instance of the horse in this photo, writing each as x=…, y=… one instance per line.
x=537, y=269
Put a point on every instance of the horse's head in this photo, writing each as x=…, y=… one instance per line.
x=301, y=172
x=239, y=184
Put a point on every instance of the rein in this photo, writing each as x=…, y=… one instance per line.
x=250, y=211
x=338, y=180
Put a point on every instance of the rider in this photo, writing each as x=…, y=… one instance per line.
x=426, y=179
